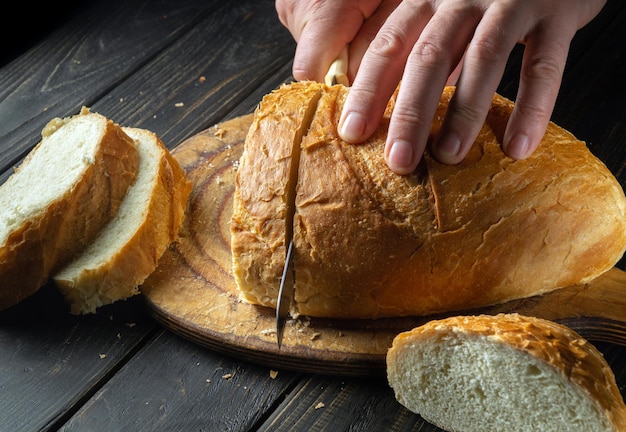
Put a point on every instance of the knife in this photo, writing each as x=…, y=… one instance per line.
x=337, y=74
x=285, y=293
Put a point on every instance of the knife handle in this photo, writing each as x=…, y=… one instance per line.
x=338, y=71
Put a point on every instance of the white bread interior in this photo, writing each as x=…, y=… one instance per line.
x=370, y=243
x=504, y=373
x=60, y=196
x=128, y=248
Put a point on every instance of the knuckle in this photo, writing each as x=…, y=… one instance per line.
x=468, y=113
x=429, y=52
x=533, y=112
x=543, y=68
x=486, y=50
x=409, y=116
x=388, y=43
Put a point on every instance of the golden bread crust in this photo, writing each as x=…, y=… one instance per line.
x=46, y=239
x=261, y=203
x=371, y=243
x=574, y=358
x=110, y=275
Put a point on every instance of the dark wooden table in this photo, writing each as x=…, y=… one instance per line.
x=178, y=67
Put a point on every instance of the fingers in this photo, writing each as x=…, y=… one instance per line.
x=483, y=65
x=427, y=44
x=322, y=30
x=422, y=46
x=366, y=34
x=381, y=69
x=542, y=70
x=433, y=58
x=319, y=45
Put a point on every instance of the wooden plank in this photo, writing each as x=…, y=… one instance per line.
x=328, y=403
x=82, y=61
x=206, y=74
x=63, y=356
x=179, y=386
x=52, y=360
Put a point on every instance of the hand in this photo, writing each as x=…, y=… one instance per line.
x=427, y=44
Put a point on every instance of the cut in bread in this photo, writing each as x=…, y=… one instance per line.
x=371, y=243
x=263, y=204
x=59, y=198
x=127, y=250
x=504, y=373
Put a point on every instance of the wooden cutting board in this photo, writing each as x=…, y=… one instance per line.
x=193, y=293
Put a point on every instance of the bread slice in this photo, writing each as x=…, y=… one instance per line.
x=504, y=373
x=371, y=243
x=58, y=199
x=128, y=248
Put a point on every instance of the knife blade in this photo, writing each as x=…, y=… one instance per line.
x=285, y=293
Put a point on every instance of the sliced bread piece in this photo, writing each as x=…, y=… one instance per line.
x=127, y=250
x=59, y=197
x=504, y=373
x=263, y=201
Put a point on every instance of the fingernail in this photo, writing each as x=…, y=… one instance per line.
x=400, y=155
x=353, y=127
x=447, y=147
x=518, y=147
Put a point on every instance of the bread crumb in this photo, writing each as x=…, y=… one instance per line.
x=102, y=356
x=268, y=332
x=208, y=380
x=319, y=405
x=315, y=336
x=179, y=104
x=202, y=79
x=219, y=132
x=228, y=376
x=273, y=374
x=131, y=324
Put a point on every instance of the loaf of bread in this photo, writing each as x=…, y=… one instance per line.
x=371, y=243
x=58, y=199
x=128, y=248
x=504, y=373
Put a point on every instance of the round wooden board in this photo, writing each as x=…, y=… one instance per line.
x=193, y=293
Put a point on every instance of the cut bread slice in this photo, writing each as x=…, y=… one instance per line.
x=504, y=373
x=57, y=200
x=264, y=200
x=127, y=250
